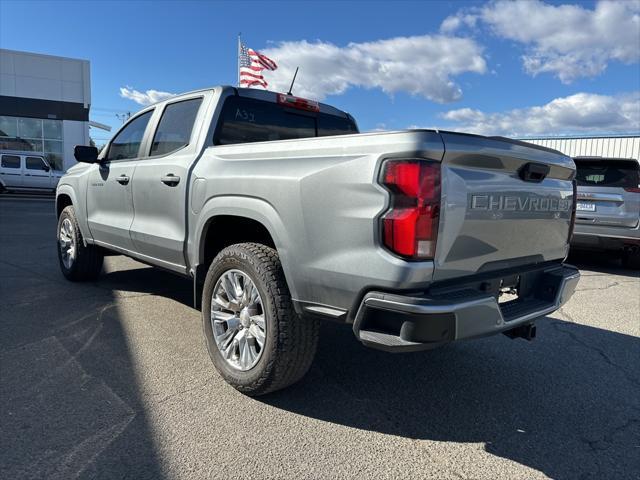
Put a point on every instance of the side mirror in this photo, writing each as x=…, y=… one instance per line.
x=46, y=168
x=85, y=154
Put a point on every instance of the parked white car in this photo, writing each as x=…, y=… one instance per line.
x=27, y=172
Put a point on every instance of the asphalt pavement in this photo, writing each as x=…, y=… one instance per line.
x=111, y=379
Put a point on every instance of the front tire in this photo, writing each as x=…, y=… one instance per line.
x=255, y=339
x=78, y=262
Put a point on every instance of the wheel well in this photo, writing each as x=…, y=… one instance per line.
x=225, y=230
x=62, y=202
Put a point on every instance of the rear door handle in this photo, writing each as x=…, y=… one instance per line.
x=122, y=179
x=170, y=179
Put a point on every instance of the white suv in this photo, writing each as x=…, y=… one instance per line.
x=27, y=172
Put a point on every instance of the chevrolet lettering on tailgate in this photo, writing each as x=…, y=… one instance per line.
x=520, y=203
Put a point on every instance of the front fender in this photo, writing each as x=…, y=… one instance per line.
x=79, y=207
x=247, y=207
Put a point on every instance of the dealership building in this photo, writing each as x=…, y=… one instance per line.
x=44, y=105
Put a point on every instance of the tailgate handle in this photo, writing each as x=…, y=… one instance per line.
x=534, y=172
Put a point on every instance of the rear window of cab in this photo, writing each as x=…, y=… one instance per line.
x=247, y=120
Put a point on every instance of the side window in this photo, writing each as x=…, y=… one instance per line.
x=10, y=161
x=176, y=124
x=126, y=144
x=35, y=163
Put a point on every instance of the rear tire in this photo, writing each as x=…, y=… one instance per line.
x=78, y=262
x=631, y=260
x=289, y=341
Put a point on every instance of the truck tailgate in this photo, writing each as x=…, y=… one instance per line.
x=496, y=212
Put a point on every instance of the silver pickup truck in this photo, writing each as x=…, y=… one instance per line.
x=282, y=214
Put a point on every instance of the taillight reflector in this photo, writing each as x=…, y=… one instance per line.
x=573, y=210
x=632, y=189
x=297, y=102
x=410, y=226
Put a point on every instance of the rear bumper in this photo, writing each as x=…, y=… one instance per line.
x=602, y=237
x=396, y=322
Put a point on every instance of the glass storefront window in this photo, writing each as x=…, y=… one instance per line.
x=13, y=143
x=52, y=129
x=8, y=126
x=52, y=146
x=33, y=135
x=55, y=160
x=29, y=127
x=34, y=143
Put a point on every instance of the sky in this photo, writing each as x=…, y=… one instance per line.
x=518, y=68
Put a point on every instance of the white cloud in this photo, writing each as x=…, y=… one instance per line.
x=569, y=41
x=579, y=113
x=421, y=65
x=144, y=98
x=457, y=21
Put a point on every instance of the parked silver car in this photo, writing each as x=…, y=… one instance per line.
x=608, y=208
x=27, y=172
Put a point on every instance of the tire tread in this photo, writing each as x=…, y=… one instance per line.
x=89, y=258
x=297, y=337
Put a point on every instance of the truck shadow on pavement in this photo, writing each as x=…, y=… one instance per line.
x=70, y=399
x=565, y=405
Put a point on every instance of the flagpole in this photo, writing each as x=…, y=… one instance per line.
x=239, y=48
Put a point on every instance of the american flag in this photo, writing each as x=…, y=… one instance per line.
x=251, y=64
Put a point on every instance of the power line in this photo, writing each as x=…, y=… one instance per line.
x=102, y=114
x=112, y=110
x=123, y=117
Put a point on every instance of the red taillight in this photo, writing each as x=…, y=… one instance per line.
x=410, y=226
x=632, y=189
x=299, y=103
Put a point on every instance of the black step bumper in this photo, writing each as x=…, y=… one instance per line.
x=395, y=322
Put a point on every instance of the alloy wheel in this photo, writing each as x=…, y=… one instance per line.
x=238, y=320
x=66, y=240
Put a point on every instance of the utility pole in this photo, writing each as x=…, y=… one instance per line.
x=123, y=117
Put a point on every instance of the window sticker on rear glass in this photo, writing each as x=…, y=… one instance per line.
x=245, y=115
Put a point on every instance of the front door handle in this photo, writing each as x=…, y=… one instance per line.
x=122, y=179
x=170, y=179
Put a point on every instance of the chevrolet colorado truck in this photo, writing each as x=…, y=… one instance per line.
x=283, y=214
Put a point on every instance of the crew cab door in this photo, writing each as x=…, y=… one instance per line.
x=11, y=171
x=37, y=173
x=109, y=194
x=160, y=185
